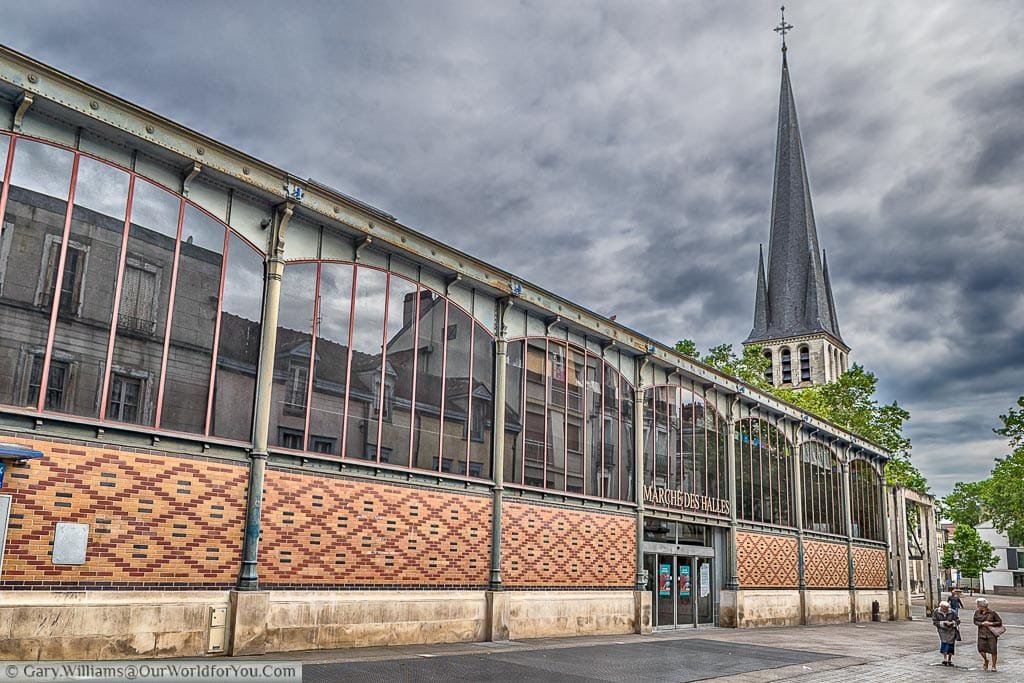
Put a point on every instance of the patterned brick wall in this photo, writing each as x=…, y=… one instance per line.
x=320, y=530
x=153, y=518
x=825, y=565
x=551, y=547
x=870, y=568
x=766, y=561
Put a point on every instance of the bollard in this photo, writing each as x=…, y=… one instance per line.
x=875, y=611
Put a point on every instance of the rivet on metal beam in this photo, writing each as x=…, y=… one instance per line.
x=25, y=101
x=189, y=173
x=361, y=244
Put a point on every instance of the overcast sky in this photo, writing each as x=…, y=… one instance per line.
x=620, y=154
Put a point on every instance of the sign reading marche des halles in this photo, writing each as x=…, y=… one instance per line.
x=659, y=495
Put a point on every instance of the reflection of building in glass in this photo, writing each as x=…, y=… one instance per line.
x=408, y=417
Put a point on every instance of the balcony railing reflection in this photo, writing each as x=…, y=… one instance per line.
x=135, y=325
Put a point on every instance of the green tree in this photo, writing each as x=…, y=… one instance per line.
x=964, y=504
x=968, y=553
x=1003, y=495
x=748, y=367
x=848, y=402
x=688, y=347
x=1013, y=425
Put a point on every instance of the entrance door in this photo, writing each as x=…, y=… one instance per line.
x=704, y=590
x=682, y=590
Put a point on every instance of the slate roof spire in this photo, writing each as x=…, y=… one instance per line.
x=797, y=298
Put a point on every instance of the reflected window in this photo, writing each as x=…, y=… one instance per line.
x=139, y=289
x=71, y=283
x=56, y=386
x=125, y=398
x=570, y=437
x=289, y=438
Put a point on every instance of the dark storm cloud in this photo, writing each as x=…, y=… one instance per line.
x=620, y=154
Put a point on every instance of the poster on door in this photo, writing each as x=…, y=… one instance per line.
x=684, y=581
x=665, y=580
x=705, y=580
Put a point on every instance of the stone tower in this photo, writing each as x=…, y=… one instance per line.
x=794, y=312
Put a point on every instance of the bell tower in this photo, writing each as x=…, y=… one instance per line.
x=794, y=311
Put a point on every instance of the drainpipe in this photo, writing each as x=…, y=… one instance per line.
x=798, y=510
x=732, y=415
x=247, y=575
x=498, y=438
x=849, y=533
x=638, y=474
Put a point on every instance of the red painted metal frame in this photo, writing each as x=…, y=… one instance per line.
x=122, y=259
x=444, y=388
x=58, y=286
x=415, y=375
x=383, y=362
x=216, y=331
x=348, y=361
x=310, y=372
x=469, y=399
x=170, y=314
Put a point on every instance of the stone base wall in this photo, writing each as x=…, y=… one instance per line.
x=756, y=608
x=864, y=600
x=544, y=614
x=315, y=620
x=828, y=606
x=94, y=625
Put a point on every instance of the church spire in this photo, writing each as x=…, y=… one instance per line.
x=760, y=298
x=798, y=294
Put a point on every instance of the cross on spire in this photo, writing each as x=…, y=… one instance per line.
x=783, y=28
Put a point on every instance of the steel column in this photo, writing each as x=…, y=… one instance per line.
x=248, y=579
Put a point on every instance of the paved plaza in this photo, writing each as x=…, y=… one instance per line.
x=885, y=651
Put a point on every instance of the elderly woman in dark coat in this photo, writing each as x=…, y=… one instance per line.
x=987, y=641
x=946, y=622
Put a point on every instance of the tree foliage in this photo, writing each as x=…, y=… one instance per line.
x=1013, y=425
x=968, y=553
x=964, y=504
x=748, y=367
x=848, y=402
x=1003, y=492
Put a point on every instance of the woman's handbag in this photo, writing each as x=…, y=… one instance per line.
x=957, y=635
x=997, y=630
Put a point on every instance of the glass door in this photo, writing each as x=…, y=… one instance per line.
x=705, y=591
x=664, y=590
x=684, y=592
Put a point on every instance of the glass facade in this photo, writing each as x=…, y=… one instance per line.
x=684, y=447
x=569, y=421
x=111, y=298
x=866, y=511
x=822, y=489
x=763, y=463
x=400, y=375
x=125, y=303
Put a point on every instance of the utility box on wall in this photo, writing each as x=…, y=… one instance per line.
x=218, y=629
x=70, y=542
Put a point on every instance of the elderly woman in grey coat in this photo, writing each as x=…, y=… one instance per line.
x=987, y=641
x=946, y=622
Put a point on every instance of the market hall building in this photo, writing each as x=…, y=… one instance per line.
x=242, y=412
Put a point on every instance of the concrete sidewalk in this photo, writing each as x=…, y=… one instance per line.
x=886, y=651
